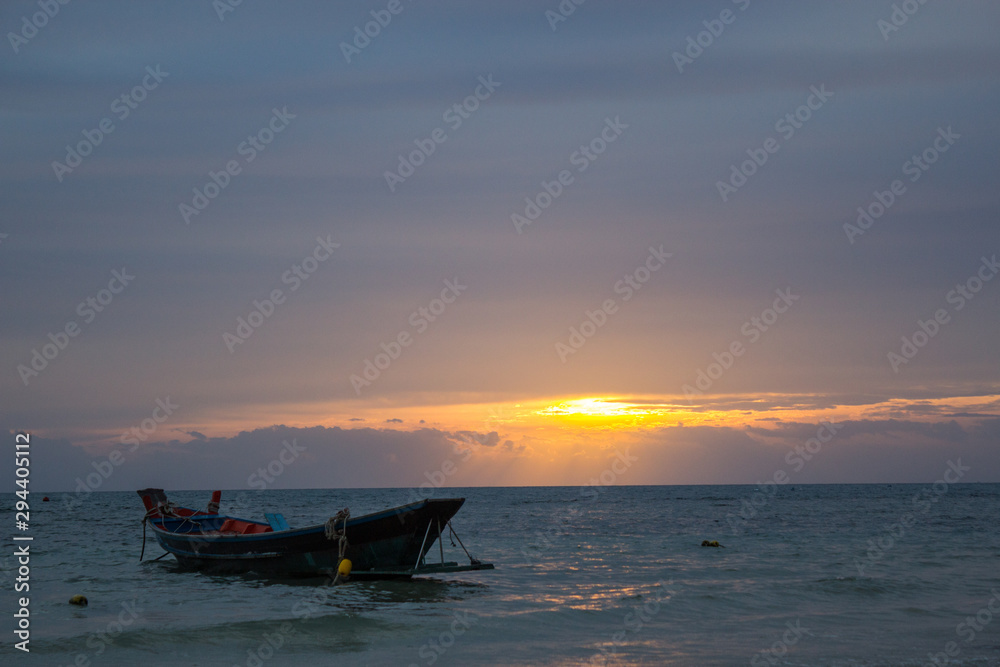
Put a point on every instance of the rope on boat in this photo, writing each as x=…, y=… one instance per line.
x=164, y=509
x=332, y=533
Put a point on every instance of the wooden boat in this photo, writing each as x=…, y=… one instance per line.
x=393, y=543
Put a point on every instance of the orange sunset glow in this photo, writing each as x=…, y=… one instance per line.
x=538, y=260
x=522, y=333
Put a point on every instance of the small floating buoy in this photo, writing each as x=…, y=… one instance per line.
x=710, y=543
x=45, y=499
x=78, y=600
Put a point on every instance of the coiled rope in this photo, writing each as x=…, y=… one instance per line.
x=333, y=533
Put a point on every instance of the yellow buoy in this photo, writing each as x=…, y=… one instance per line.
x=345, y=567
x=78, y=599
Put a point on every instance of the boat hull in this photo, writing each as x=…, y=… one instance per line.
x=387, y=544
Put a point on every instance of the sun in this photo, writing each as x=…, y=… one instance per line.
x=605, y=412
x=630, y=413
x=594, y=407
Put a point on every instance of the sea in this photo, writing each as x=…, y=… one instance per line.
x=876, y=574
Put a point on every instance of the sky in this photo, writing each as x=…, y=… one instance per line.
x=386, y=244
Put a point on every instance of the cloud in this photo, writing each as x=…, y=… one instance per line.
x=485, y=439
x=320, y=457
x=861, y=451
x=324, y=175
x=314, y=457
x=949, y=431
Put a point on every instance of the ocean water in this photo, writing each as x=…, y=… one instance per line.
x=810, y=575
